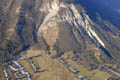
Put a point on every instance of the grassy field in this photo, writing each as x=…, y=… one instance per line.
x=1, y=75
x=26, y=66
x=54, y=70
x=93, y=75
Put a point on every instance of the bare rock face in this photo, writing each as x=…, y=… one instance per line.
x=56, y=25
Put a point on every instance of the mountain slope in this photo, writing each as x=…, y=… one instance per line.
x=58, y=27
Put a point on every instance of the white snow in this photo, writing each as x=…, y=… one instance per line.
x=33, y=66
x=21, y=69
x=12, y=68
x=5, y=73
x=96, y=36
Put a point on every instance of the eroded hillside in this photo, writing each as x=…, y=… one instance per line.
x=58, y=28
